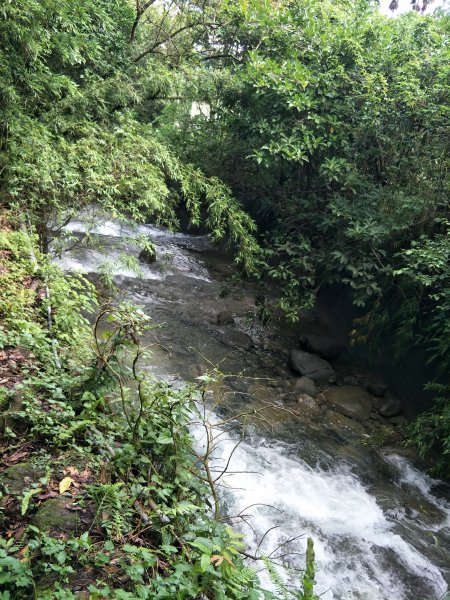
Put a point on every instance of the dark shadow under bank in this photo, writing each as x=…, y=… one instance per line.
x=406, y=374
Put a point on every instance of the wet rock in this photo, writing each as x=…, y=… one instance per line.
x=306, y=385
x=225, y=317
x=307, y=403
x=148, y=256
x=19, y=477
x=424, y=509
x=55, y=516
x=366, y=463
x=398, y=420
x=13, y=417
x=279, y=372
x=237, y=338
x=342, y=424
x=351, y=401
x=200, y=369
x=372, y=426
x=408, y=452
x=353, y=380
x=325, y=346
x=312, y=366
x=392, y=407
x=376, y=387
x=321, y=400
x=238, y=384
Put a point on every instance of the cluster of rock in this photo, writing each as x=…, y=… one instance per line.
x=357, y=403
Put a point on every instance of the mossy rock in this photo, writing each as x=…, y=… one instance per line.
x=55, y=516
x=13, y=418
x=19, y=477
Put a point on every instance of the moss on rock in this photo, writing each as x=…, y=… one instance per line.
x=55, y=516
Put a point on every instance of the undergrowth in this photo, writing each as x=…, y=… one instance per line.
x=113, y=503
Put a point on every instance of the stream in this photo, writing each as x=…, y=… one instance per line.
x=381, y=527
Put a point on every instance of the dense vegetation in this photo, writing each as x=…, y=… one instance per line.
x=329, y=122
x=102, y=489
x=318, y=147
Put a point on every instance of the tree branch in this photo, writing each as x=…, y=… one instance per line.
x=169, y=37
x=140, y=10
x=214, y=56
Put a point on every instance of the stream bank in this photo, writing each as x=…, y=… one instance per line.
x=331, y=466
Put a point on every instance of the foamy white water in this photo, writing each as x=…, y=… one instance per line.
x=354, y=540
x=94, y=260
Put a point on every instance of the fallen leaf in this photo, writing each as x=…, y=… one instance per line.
x=72, y=471
x=47, y=495
x=84, y=476
x=73, y=507
x=65, y=484
x=17, y=456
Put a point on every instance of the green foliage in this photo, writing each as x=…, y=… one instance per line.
x=77, y=124
x=426, y=278
x=111, y=501
x=307, y=581
x=326, y=123
x=31, y=286
x=309, y=574
x=13, y=571
x=332, y=132
x=430, y=432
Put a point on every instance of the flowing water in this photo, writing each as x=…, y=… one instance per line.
x=381, y=527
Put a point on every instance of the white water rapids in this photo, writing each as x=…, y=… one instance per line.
x=353, y=538
x=383, y=537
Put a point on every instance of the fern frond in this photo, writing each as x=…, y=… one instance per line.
x=282, y=591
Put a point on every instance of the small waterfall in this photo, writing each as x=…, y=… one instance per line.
x=358, y=552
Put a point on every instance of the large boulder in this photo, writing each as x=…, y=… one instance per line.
x=14, y=417
x=58, y=515
x=312, y=366
x=19, y=477
x=376, y=387
x=325, y=346
x=307, y=403
x=391, y=407
x=351, y=401
x=398, y=420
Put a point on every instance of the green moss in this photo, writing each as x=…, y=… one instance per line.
x=54, y=516
x=19, y=477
